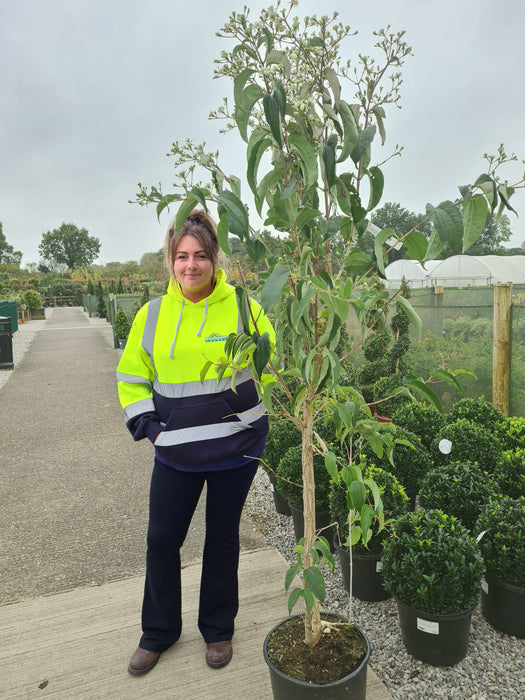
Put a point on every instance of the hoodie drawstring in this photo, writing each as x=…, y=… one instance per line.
x=172, y=349
x=204, y=319
x=176, y=330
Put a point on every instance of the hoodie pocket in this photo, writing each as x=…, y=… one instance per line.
x=200, y=413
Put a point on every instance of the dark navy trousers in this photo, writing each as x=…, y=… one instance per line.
x=173, y=498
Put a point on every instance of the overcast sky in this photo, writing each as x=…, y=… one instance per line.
x=94, y=92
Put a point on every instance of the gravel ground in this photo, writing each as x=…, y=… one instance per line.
x=493, y=668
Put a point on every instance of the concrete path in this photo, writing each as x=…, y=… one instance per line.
x=74, y=492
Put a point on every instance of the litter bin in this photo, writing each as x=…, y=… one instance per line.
x=6, y=343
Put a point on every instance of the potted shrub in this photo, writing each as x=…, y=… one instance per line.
x=432, y=567
x=419, y=418
x=502, y=542
x=121, y=327
x=510, y=473
x=465, y=440
x=409, y=461
x=459, y=488
x=282, y=435
x=366, y=565
x=308, y=165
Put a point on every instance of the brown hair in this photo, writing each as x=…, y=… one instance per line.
x=199, y=225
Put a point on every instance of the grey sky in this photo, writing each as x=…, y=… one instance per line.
x=93, y=93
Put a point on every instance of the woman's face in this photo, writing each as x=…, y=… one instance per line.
x=193, y=269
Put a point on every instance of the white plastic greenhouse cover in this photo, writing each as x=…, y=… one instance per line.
x=413, y=272
x=479, y=270
x=458, y=271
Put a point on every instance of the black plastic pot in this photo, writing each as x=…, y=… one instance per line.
x=439, y=640
x=281, y=504
x=503, y=606
x=367, y=579
x=285, y=688
x=322, y=520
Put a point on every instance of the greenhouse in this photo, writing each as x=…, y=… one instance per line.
x=458, y=271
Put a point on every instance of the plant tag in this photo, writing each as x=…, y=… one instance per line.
x=379, y=565
x=478, y=538
x=445, y=446
x=427, y=626
x=484, y=586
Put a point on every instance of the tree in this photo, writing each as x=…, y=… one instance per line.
x=8, y=255
x=69, y=247
x=316, y=151
x=393, y=215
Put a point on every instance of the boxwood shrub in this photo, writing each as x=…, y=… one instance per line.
x=503, y=543
x=432, y=563
x=419, y=418
x=510, y=473
x=470, y=442
x=459, y=488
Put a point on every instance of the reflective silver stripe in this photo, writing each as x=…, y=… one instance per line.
x=132, y=379
x=206, y=388
x=135, y=409
x=148, y=335
x=213, y=431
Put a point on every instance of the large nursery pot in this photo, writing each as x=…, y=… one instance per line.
x=281, y=504
x=503, y=606
x=285, y=687
x=367, y=577
x=432, y=567
x=502, y=542
x=439, y=640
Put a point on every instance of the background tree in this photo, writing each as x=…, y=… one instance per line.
x=8, y=255
x=69, y=246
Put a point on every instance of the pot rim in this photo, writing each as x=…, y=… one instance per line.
x=438, y=616
x=298, y=682
x=500, y=582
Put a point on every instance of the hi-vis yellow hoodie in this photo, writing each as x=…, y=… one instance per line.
x=194, y=425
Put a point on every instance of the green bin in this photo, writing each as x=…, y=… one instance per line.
x=6, y=343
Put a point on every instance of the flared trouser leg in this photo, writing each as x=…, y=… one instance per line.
x=219, y=594
x=174, y=496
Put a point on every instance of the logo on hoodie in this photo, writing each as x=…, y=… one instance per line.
x=215, y=338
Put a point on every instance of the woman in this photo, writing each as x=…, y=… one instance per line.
x=203, y=432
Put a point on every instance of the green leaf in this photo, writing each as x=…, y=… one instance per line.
x=366, y=521
x=379, y=114
x=268, y=182
x=314, y=579
x=257, y=145
x=184, y=211
x=366, y=136
x=330, y=463
x=416, y=245
x=308, y=158
x=448, y=222
x=350, y=131
x=280, y=58
x=243, y=108
x=377, y=182
x=335, y=85
x=419, y=386
x=306, y=216
x=475, y=211
x=240, y=82
x=293, y=598
x=271, y=292
x=261, y=354
x=273, y=117
x=379, y=242
x=445, y=376
x=328, y=156
x=204, y=370
x=290, y=575
x=357, y=493
x=411, y=313
x=237, y=216
x=222, y=234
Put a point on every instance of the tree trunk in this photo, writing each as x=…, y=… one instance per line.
x=312, y=620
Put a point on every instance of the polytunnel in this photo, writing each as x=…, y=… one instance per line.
x=414, y=273
x=478, y=271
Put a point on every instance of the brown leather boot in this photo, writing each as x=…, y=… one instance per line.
x=218, y=654
x=142, y=661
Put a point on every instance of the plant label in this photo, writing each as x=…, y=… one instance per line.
x=427, y=626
